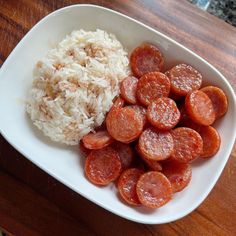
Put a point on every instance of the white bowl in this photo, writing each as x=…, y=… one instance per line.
x=63, y=162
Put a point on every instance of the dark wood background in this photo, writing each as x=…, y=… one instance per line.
x=33, y=203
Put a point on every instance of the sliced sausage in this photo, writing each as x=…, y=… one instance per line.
x=102, y=166
x=151, y=164
x=184, y=79
x=154, y=189
x=187, y=144
x=125, y=153
x=179, y=174
x=128, y=89
x=199, y=108
x=97, y=140
x=146, y=58
x=124, y=124
x=218, y=99
x=118, y=103
x=156, y=145
x=152, y=86
x=163, y=113
x=127, y=185
x=211, y=141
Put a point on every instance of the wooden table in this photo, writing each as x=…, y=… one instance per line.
x=33, y=203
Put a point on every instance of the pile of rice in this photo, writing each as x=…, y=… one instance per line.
x=75, y=83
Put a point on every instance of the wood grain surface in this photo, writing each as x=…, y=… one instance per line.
x=33, y=203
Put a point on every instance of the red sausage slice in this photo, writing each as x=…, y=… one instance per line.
x=152, y=86
x=128, y=89
x=127, y=185
x=151, y=164
x=184, y=79
x=199, y=108
x=118, y=103
x=97, y=140
x=156, y=145
x=218, y=99
x=187, y=144
x=211, y=141
x=154, y=189
x=179, y=174
x=146, y=58
x=124, y=124
x=125, y=153
x=102, y=166
x=163, y=113
x=142, y=112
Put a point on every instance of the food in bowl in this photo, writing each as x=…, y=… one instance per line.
x=159, y=124
x=75, y=84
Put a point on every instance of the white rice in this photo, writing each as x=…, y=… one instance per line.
x=75, y=84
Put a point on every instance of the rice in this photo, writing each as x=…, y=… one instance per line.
x=75, y=83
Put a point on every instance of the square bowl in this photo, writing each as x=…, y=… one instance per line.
x=63, y=162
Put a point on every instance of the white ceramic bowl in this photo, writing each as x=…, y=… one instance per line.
x=63, y=162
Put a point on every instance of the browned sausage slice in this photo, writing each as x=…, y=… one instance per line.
x=151, y=86
x=156, y=145
x=127, y=185
x=146, y=58
x=179, y=174
x=184, y=79
x=102, y=166
x=218, y=99
x=163, y=113
x=199, y=108
x=124, y=124
x=97, y=140
x=128, y=89
x=154, y=189
x=125, y=153
x=187, y=144
x=211, y=141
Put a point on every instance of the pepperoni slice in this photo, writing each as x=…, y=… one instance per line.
x=163, y=113
x=152, y=164
x=128, y=89
x=187, y=144
x=179, y=174
x=127, y=185
x=156, y=145
x=97, y=140
x=124, y=124
x=184, y=79
x=211, y=141
x=152, y=86
x=218, y=99
x=142, y=112
x=118, y=103
x=102, y=166
x=154, y=189
x=199, y=108
x=83, y=150
x=146, y=58
x=125, y=153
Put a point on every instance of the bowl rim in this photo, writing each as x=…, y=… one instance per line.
x=229, y=90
